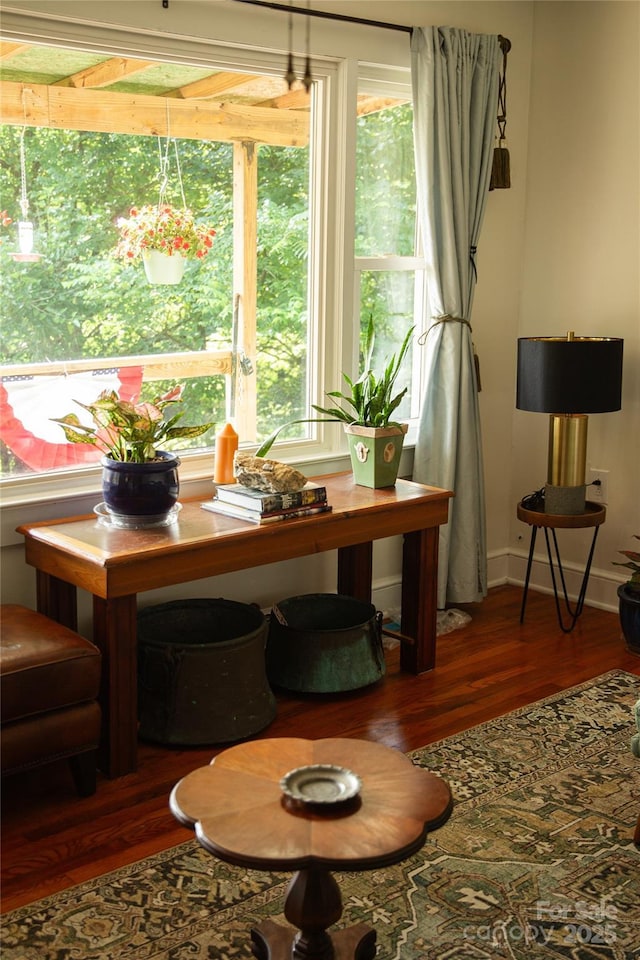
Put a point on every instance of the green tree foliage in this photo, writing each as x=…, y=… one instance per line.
x=386, y=224
x=79, y=302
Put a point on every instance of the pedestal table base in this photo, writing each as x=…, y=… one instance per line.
x=313, y=903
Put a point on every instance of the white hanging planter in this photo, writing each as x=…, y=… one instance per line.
x=163, y=267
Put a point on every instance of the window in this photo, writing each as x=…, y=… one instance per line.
x=389, y=274
x=235, y=330
x=264, y=326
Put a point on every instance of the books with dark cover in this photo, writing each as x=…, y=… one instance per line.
x=252, y=516
x=261, y=502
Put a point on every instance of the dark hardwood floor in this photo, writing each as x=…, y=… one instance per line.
x=52, y=840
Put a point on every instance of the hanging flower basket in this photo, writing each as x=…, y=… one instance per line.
x=162, y=235
x=165, y=230
x=163, y=267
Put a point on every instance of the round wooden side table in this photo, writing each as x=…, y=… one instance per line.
x=593, y=516
x=241, y=815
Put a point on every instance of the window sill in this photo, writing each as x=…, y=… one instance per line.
x=52, y=499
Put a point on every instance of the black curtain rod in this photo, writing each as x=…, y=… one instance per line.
x=505, y=44
x=327, y=16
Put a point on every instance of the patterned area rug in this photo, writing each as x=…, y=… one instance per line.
x=535, y=862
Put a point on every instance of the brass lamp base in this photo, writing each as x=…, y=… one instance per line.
x=565, y=490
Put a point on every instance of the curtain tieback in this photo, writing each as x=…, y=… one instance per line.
x=447, y=318
x=472, y=257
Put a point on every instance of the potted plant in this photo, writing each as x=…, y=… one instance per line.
x=164, y=237
x=629, y=599
x=375, y=440
x=138, y=478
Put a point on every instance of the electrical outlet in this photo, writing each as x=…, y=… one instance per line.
x=598, y=489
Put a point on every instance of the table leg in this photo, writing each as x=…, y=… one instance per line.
x=114, y=625
x=419, y=600
x=312, y=904
x=355, y=570
x=575, y=613
x=525, y=592
x=57, y=599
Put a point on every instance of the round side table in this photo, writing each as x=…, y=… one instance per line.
x=240, y=814
x=593, y=516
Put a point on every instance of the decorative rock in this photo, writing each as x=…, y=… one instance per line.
x=268, y=475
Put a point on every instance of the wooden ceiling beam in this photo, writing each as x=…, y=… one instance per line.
x=368, y=105
x=293, y=100
x=101, y=111
x=9, y=49
x=105, y=73
x=211, y=86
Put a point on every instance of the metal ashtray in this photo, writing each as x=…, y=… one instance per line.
x=321, y=783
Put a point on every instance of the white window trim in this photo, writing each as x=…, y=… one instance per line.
x=331, y=282
x=58, y=495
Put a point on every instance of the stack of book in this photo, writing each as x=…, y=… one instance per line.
x=256, y=506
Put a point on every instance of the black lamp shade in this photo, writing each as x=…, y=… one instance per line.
x=582, y=375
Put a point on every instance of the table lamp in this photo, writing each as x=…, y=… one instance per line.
x=568, y=378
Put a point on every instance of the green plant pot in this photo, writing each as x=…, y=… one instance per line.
x=375, y=454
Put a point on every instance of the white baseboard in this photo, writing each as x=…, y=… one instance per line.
x=386, y=595
x=601, y=588
x=505, y=567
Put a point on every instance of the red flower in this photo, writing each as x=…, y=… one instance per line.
x=163, y=228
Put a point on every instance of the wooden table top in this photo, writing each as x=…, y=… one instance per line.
x=240, y=815
x=113, y=562
x=593, y=515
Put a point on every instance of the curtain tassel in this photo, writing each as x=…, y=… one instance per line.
x=501, y=166
x=476, y=364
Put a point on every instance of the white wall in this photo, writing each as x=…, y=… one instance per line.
x=516, y=255
x=581, y=246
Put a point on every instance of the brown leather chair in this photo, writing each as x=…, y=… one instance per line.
x=635, y=750
x=49, y=680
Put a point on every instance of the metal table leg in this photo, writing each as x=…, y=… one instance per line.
x=575, y=613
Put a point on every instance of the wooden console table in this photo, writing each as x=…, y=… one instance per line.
x=114, y=565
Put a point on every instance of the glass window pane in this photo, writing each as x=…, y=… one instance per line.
x=388, y=296
x=80, y=303
x=283, y=266
x=385, y=183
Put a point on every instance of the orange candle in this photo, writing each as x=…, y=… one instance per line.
x=226, y=446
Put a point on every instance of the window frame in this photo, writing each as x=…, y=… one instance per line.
x=393, y=82
x=332, y=281
x=324, y=211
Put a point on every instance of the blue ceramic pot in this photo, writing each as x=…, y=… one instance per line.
x=629, y=607
x=146, y=490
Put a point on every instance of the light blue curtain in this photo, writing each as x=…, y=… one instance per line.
x=455, y=94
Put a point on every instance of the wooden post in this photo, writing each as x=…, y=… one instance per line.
x=245, y=279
